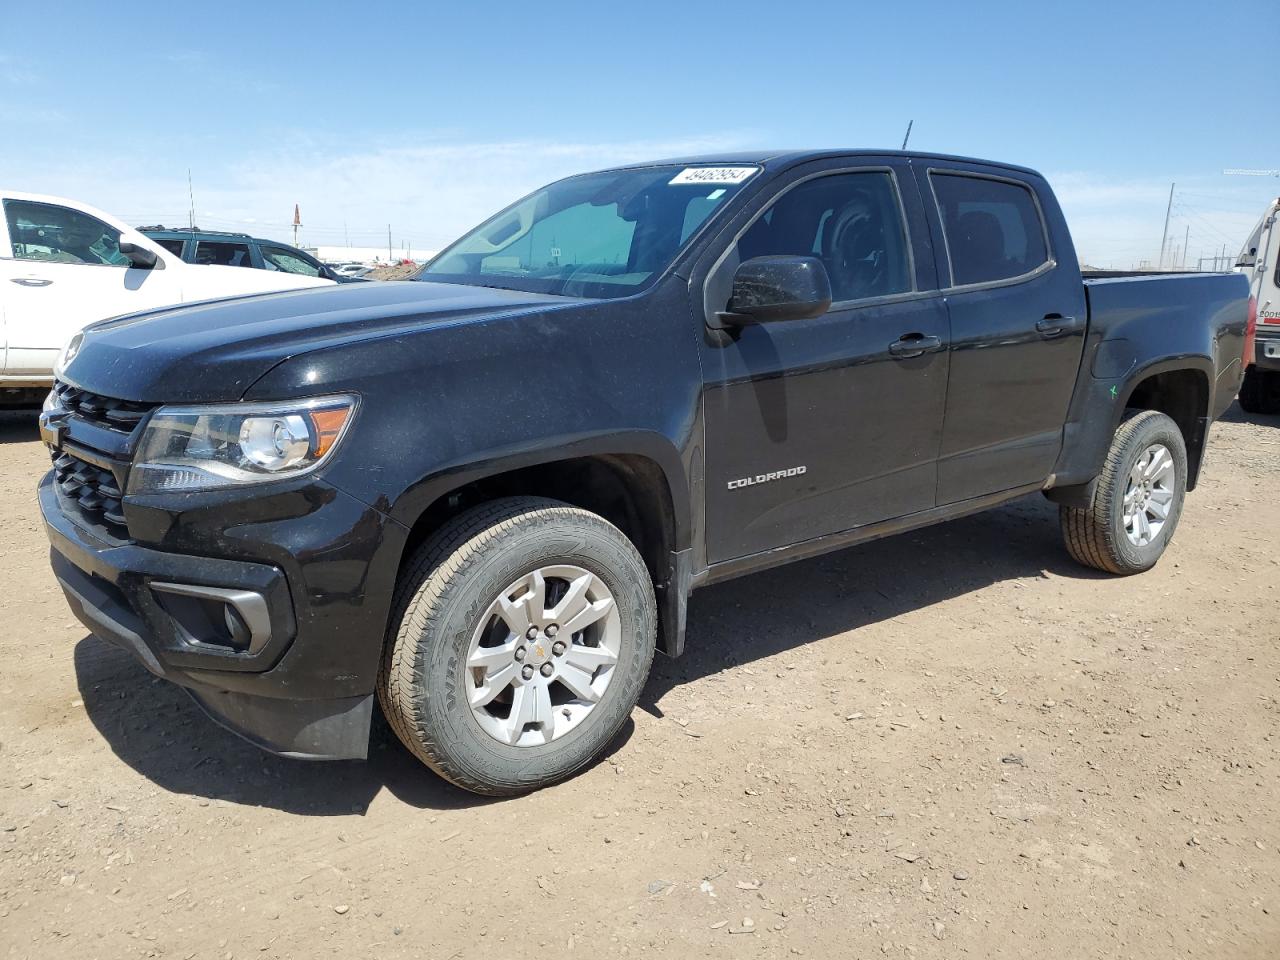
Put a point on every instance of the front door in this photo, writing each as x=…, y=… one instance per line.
x=63, y=270
x=818, y=426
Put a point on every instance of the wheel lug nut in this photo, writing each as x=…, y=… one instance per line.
x=548, y=669
x=527, y=672
x=531, y=633
x=521, y=653
x=552, y=630
x=558, y=648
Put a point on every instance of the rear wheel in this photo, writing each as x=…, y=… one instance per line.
x=1260, y=392
x=524, y=632
x=1137, y=499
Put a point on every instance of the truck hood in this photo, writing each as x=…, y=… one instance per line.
x=214, y=351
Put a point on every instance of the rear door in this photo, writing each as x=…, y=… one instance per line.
x=61, y=270
x=223, y=253
x=822, y=425
x=1017, y=315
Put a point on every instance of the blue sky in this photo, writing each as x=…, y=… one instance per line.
x=429, y=117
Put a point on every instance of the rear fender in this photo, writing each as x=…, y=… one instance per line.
x=1088, y=437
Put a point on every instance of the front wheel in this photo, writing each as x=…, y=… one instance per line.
x=1137, y=499
x=523, y=634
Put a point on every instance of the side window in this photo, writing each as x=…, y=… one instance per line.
x=223, y=254
x=173, y=246
x=993, y=228
x=277, y=258
x=55, y=234
x=852, y=222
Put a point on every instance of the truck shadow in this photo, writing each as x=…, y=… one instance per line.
x=19, y=426
x=159, y=731
x=742, y=621
x=156, y=729
x=1236, y=414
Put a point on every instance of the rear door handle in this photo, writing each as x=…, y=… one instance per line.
x=1055, y=325
x=914, y=345
x=31, y=281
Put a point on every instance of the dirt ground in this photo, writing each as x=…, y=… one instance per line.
x=952, y=743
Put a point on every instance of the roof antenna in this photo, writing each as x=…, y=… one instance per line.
x=908, y=136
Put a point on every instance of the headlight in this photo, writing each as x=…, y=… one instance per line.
x=207, y=447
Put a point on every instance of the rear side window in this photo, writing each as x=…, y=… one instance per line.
x=993, y=228
x=173, y=246
x=56, y=234
x=223, y=254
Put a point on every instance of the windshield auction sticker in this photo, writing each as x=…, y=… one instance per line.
x=712, y=175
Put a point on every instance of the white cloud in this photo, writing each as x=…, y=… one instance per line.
x=432, y=189
x=15, y=73
x=429, y=192
x=1119, y=222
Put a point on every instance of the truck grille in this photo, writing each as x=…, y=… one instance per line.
x=104, y=411
x=92, y=490
x=92, y=458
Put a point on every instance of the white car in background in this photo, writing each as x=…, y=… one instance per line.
x=64, y=265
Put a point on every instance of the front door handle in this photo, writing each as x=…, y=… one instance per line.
x=914, y=345
x=31, y=281
x=1055, y=325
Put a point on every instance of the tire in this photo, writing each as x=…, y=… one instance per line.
x=1260, y=392
x=447, y=612
x=1099, y=535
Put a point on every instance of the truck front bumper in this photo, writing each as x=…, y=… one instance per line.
x=264, y=645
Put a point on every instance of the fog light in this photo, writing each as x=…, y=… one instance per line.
x=236, y=627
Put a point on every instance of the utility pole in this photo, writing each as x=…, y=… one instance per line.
x=1186, y=237
x=1164, y=240
x=191, y=199
x=389, y=255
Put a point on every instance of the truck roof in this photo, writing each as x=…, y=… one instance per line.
x=184, y=232
x=780, y=159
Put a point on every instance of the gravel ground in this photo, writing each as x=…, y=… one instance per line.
x=951, y=743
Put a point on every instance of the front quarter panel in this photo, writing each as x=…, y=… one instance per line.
x=443, y=406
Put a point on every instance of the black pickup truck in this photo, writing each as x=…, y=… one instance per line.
x=485, y=496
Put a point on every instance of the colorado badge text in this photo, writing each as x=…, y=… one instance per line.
x=767, y=477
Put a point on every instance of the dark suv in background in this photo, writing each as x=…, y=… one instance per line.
x=240, y=250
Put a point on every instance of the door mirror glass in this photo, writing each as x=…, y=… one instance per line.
x=139, y=257
x=770, y=289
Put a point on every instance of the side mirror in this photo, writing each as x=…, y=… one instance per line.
x=139, y=257
x=769, y=289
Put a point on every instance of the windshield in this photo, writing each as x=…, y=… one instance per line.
x=600, y=235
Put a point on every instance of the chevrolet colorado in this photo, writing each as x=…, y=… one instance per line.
x=484, y=496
